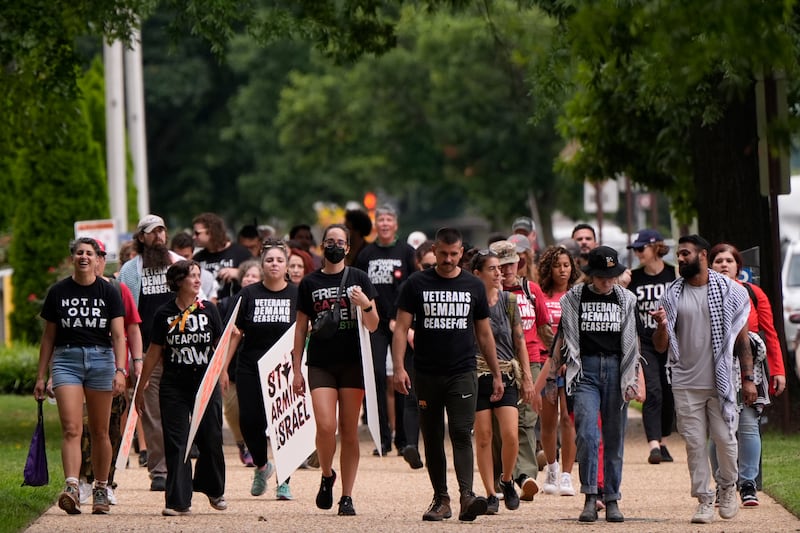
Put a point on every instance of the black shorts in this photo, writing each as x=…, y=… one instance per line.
x=509, y=398
x=338, y=376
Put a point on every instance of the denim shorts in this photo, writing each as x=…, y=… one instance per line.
x=92, y=367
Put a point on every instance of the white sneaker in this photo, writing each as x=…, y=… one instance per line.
x=728, y=502
x=704, y=514
x=84, y=491
x=112, y=499
x=551, y=479
x=565, y=488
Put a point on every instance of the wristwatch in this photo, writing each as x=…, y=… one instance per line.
x=749, y=377
x=120, y=369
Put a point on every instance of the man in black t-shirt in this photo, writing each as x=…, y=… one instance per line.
x=218, y=255
x=388, y=262
x=451, y=311
x=146, y=277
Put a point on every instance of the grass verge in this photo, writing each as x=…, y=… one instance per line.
x=781, y=467
x=22, y=505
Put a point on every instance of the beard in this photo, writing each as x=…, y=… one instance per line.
x=156, y=256
x=689, y=270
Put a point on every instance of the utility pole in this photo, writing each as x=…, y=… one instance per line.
x=115, y=134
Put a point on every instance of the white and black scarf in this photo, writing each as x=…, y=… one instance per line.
x=728, y=305
x=570, y=317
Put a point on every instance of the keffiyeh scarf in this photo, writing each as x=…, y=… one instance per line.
x=729, y=307
x=570, y=320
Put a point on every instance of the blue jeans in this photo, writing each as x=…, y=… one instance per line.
x=749, y=447
x=598, y=390
x=90, y=366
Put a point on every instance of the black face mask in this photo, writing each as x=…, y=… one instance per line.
x=334, y=253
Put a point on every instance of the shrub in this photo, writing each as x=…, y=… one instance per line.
x=18, y=366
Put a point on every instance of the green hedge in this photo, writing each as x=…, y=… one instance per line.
x=18, y=366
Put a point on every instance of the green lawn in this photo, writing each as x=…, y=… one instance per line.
x=22, y=505
x=781, y=466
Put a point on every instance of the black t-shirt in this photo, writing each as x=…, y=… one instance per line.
x=230, y=257
x=317, y=292
x=82, y=313
x=649, y=290
x=190, y=350
x=387, y=267
x=444, y=310
x=264, y=316
x=600, y=318
x=153, y=294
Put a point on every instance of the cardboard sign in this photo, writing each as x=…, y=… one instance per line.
x=291, y=427
x=210, y=378
x=370, y=392
x=127, y=435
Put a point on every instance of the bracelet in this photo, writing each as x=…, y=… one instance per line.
x=121, y=371
x=137, y=359
x=367, y=309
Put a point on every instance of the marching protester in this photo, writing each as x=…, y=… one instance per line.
x=330, y=296
x=726, y=259
x=266, y=311
x=512, y=355
x=601, y=351
x=702, y=320
x=451, y=311
x=83, y=348
x=185, y=332
x=557, y=274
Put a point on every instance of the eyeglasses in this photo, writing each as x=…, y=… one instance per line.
x=327, y=243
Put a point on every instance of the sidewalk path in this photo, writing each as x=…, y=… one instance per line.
x=389, y=496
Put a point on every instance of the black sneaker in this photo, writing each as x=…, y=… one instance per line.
x=411, y=455
x=749, y=494
x=346, y=506
x=158, y=484
x=143, y=458
x=325, y=494
x=665, y=456
x=510, y=496
x=655, y=456
x=438, y=510
x=492, y=505
x=472, y=507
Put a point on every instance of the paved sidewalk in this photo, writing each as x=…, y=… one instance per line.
x=389, y=496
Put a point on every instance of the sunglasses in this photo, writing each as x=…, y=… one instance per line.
x=270, y=243
x=638, y=249
x=427, y=265
x=486, y=252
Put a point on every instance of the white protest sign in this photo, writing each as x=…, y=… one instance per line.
x=370, y=390
x=291, y=427
x=210, y=379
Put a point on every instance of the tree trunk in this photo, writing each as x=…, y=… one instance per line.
x=730, y=207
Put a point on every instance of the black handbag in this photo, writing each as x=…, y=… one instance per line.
x=327, y=322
